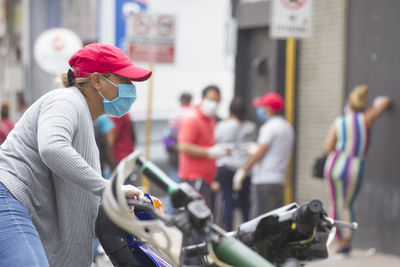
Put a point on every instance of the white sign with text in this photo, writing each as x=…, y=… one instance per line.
x=291, y=19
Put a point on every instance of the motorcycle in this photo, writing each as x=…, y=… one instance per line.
x=135, y=233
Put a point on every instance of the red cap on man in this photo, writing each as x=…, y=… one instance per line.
x=271, y=100
x=105, y=58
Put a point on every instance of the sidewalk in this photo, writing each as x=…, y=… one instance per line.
x=362, y=258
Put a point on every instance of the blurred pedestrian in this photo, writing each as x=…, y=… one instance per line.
x=238, y=132
x=346, y=146
x=6, y=125
x=170, y=140
x=197, y=148
x=122, y=137
x=171, y=133
x=102, y=128
x=198, y=151
x=21, y=106
x=271, y=158
x=50, y=179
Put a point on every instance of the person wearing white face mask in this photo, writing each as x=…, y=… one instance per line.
x=270, y=159
x=197, y=148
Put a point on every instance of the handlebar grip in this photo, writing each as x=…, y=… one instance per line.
x=156, y=175
x=235, y=253
x=309, y=214
x=352, y=225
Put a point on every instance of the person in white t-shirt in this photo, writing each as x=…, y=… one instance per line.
x=270, y=159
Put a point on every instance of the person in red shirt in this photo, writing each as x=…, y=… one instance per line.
x=121, y=138
x=197, y=148
x=6, y=125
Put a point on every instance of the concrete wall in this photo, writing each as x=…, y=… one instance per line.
x=320, y=92
x=373, y=58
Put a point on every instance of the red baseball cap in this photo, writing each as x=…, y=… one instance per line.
x=104, y=58
x=272, y=100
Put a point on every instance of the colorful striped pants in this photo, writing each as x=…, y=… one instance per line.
x=343, y=174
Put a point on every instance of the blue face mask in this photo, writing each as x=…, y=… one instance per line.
x=121, y=105
x=261, y=115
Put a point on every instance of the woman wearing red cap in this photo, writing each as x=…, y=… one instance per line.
x=270, y=160
x=50, y=181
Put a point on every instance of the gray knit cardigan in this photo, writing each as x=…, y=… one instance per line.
x=50, y=163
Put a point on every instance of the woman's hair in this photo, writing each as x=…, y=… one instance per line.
x=68, y=79
x=238, y=108
x=358, y=98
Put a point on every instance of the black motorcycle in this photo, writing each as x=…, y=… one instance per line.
x=134, y=233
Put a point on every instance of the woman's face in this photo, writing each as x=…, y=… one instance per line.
x=268, y=112
x=108, y=89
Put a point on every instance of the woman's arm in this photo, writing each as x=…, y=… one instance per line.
x=330, y=141
x=380, y=104
x=57, y=125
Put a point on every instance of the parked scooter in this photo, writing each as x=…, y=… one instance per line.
x=136, y=234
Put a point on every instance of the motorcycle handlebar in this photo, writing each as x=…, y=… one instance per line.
x=309, y=214
x=229, y=250
x=156, y=175
x=232, y=251
x=342, y=224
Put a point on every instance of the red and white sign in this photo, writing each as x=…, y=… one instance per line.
x=151, y=38
x=293, y=4
x=291, y=19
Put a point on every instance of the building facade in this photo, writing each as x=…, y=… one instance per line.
x=353, y=42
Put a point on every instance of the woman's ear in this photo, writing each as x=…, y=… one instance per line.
x=95, y=80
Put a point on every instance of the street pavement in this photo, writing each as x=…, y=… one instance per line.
x=358, y=258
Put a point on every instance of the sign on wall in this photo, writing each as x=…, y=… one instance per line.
x=54, y=47
x=151, y=38
x=291, y=19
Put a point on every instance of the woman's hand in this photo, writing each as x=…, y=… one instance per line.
x=132, y=192
x=380, y=100
x=379, y=105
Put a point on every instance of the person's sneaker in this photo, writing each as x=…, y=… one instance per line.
x=344, y=250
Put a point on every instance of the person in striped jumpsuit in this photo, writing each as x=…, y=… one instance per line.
x=346, y=146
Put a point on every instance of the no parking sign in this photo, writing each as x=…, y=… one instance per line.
x=151, y=38
x=291, y=19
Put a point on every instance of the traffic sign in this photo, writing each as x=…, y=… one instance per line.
x=151, y=38
x=291, y=19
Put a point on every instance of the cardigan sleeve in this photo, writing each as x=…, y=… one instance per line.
x=57, y=124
